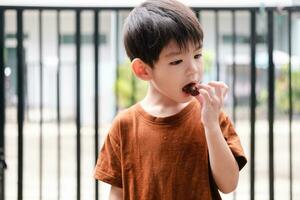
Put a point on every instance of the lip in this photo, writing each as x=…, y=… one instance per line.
x=190, y=83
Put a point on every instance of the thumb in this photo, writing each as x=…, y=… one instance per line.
x=200, y=98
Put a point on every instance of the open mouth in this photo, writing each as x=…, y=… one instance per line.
x=191, y=89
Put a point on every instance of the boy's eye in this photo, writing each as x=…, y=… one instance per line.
x=198, y=56
x=176, y=62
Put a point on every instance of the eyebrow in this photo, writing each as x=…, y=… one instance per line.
x=174, y=53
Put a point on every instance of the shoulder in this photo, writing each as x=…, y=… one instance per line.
x=126, y=114
x=123, y=120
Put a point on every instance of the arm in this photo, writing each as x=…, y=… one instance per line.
x=116, y=193
x=223, y=165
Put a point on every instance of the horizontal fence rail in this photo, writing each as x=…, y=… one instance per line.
x=21, y=89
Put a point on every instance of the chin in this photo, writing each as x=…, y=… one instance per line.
x=187, y=98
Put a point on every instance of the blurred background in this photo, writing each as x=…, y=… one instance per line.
x=64, y=75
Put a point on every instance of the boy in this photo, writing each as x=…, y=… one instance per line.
x=176, y=143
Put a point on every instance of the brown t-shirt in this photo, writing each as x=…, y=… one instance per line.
x=154, y=158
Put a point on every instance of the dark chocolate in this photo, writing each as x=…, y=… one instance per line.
x=191, y=89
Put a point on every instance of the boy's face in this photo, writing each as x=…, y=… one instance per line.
x=175, y=69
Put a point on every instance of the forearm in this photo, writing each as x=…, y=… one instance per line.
x=223, y=164
x=116, y=193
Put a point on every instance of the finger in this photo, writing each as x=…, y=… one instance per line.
x=206, y=97
x=225, y=91
x=223, y=87
x=210, y=91
x=217, y=88
x=218, y=84
x=200, y=98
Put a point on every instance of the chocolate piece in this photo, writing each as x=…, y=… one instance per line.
x=191, y=89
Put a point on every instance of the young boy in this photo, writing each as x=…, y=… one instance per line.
x=176, y=143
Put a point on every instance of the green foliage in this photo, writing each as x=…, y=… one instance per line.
x=208, y=57
x=127, y=94
x=282, y=91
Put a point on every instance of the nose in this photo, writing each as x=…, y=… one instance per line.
x=193, y=68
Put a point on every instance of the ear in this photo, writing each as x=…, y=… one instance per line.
x=141, y=69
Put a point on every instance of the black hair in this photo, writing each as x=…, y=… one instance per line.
x=152, y=25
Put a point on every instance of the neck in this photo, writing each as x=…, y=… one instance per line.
x=159, y=105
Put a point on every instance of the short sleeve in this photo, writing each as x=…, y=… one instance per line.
x=108, y=168
x=232, y=140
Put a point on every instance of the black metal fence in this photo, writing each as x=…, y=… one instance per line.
x=21, y=67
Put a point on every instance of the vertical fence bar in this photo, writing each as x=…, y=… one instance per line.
x=234, y=66
x=58, y=118
x=117, y=60
x=41, y=106
x=2, y=107
x=252, y=103
x=20, y=92
x=234, y=100
x=290, y=104
x=217, y=43
x=96, y=45
x=197, y=14
x=271, y=88
x=78, y=114
x=133, y=85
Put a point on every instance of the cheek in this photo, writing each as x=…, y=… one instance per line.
x=170, y=82
x=201, y=72
x=201, y=69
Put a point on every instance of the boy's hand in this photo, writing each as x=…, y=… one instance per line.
x=211, y=98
